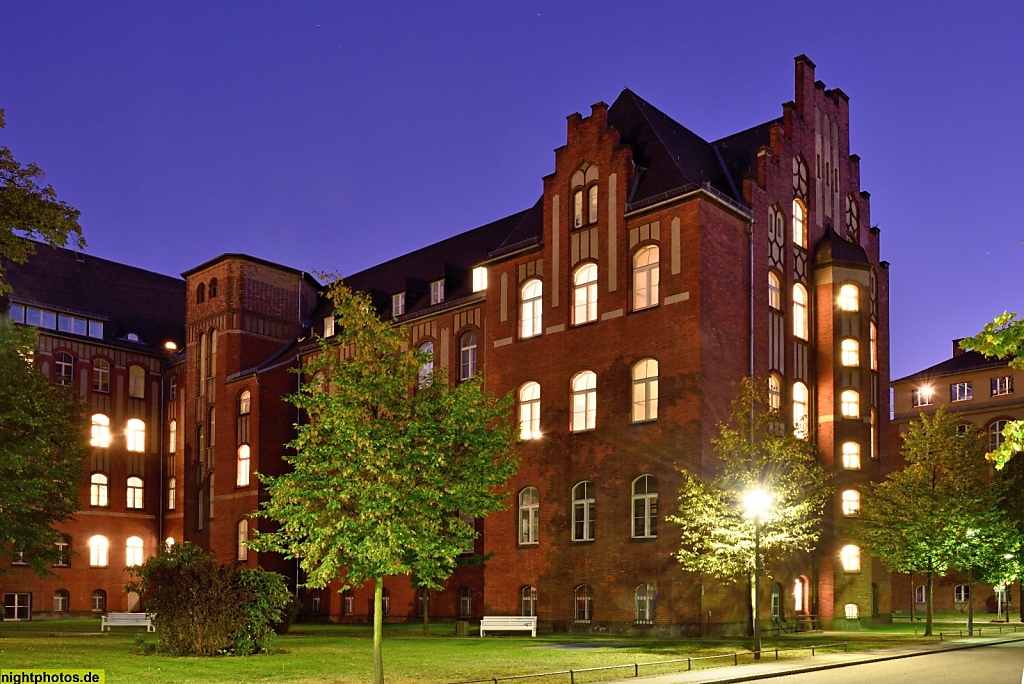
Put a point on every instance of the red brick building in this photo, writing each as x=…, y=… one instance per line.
x=656, y=270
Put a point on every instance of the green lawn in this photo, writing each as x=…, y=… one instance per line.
x=340, y=653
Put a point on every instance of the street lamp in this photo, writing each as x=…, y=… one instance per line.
x=756, y=502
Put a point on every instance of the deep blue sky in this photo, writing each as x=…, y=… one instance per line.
x=331, y=136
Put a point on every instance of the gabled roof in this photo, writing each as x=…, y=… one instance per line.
x=833, y=249
x=961, y=363
x=128, y=299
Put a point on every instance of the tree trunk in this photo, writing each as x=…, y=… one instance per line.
x=378, y=630
x=753, y=600
x=913, y=597
x=929, y=608
x=426, y=610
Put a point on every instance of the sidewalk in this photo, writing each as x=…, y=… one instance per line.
x=772, y=668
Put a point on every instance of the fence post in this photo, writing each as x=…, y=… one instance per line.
x=636, y=669
x=812, y=650
x=845, y=649
x=735, y=658
x=776, y=654
x=688, y=664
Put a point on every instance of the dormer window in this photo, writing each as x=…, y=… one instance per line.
x=329, y=326
x=479, y=279
x=398, y=304
x=436, y=292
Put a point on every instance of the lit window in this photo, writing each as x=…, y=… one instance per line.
x=172, y=437
x=774, y=290
x=465, y=602
x=577, y=208
x=874, y=346
x=584, y=308
x=242, y=477
x=592, y=204
x=529, y=411
x=919, y=595
x=172, y=493
x=243, y=537
x=798, y=594
x=800, y=322
x=850, y=352
x=398, y=303
x=1002, y=385
x=801, y=411
x=425, y=375
x=244, y=402
x=100, y=375
x=852, y=611
x=961, y=593
x=528, y=601
x=65, y=365
x=849, y=297
x=479, y=279
x=775, y=392
x=63, y=552
x=583, y=598
x=646, y=275
x=583, y=509
x=329, y=326
x=98, y=489
x=922, y=396
x=799, y=225
x=136, y=382
x=529, y=515
x=135, y=435
x=645, y=390
x=100, y=431
x=133, y=551
x=584, y=401
x=644, y=599
x=961, y=391
x=60, y=601
x=98, y=551
x=99, y=601
x=135, y=491
x=467, y=355
x=850, y=400
x=995, y=434
x=851, y=455
x=530, y=313
x=645, y=507
x=874, y=434
x=850, y=558
x=436, y=292
x=851, y=502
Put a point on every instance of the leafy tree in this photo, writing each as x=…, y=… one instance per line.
x=942, y=512
x=29, y=209
x=42, y=449
x=381, y=471
x=1003, y=338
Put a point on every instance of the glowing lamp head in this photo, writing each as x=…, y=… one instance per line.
x=756, y=502
x=170, y=346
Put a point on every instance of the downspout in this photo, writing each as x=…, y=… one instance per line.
x=163, y=456
x=750, y=234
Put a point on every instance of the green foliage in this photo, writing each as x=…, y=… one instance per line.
x=206, y=608
x=753, y=449
x=42, y=450
x=30, y=209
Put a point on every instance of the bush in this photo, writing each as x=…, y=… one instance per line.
x=206, y=608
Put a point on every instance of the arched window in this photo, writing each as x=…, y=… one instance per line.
x=645, y=390
x=60, y=601
x=851, y=611
x=584, y=289
x=172, y=437
x=592, y=204
x=63, y=552
x=849, y=555
x=577, y=208
x=200, y=293
x=775, y=391
x=100, y=432
x=530, y=320
x=133, y=551
x=465, y=602
x=135, y=435
x=137, y=382
x=851, y=502
x=776, y=601
x=211, y=351
x=98, y=551
x=799, y=224
x=99, y=601
x=850, y=352
x=801, y=410
x=961, y=593
x=243, y=537
x=644, y=596
x=348, y=603
x=849, y=297
x=100, y=375
x=645, y=507
x=529, y=515
x=874, y=346
x=798, y=594
x=135, y=491
x=467, y=355
x=65, y=368
x=174, y=388
x=529, y=411
x=172, y=492
x=242, y=470
x=98, y=490
x=528, y=601
x=584, y=401
x=851, y=455
x=919, y=595
x=646, y=275
x=583, y=509
x=800, y=322
x=774, y=290
x=201, y=365
x=425, y=376
x=995, y=434
x=583, y=598
x=850, y=403
x=244, y=403
x=213, y=288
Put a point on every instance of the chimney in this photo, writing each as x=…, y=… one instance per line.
x=804, y=81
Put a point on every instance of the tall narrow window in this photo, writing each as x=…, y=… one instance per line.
x=100, y=375
x=348, y=603
x=172, y=493
x=426, y=374
x=645, y=507
x=133, y=551
x=135, y=435
x=583, y=509
x=479, y=279
x=644, y=597
x=799, y=224
x=99, y=549
x=65, y=368
x=995, y=434
x=584, y=281
x=244, y=402
x=850, y=558
x=98, y=485
x=874, y=346
x=100, y=432
x=850, y=400
x=529, y=411
x=800, y=323
x=172, y=437
x=467, y=355
x=774, y=290
x=136, y=382
x=63, y=552
x=530, y=309
x=775, y=392
x=201, y=365
x=135, y=491
x=577, y=208
x=849, y=297
x=874, y=434
x=850, y=352
x=801, y=411
x=851, y=502
x=397, y=304
x=646, y=275
x=645, y=390
x=201, y=293
x=465, y=602
x=584, y=401
x=60, y=601
x=529, y=515
x=211, y=351
x=212, y=291
x=592, y=204
x=242, y=476
x=583, y=599
x=329, y=326
x=243, y=537
x=528, y=601
x=99, y=600
x=436, y=292
x=851, y=455
x=174, y=388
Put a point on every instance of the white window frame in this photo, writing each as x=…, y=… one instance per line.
x=851, y=503
x=584, y=309
x=850, y=403
x=135, y=491
x=465, y=602
x=801, y=410
x=531, y=309
x=584, y=401
x=583, y=604
x=644, y=604
x=64, y=368
x=137, y=382
x=851, y=455
x=172, y=493
x=961, y=391
x=329, y=326
x=101, y=376
x=961, y=593
x=243, y=465
x=1001, y=385
x=849, y=298
x=242, y=551
x=398, y=302
x=426, y=372
x=801, y=322
x=99, y=488
x=799, y=224
x=592, y=204
x=528, y=601
x=100, y=431
x=61, y=598
x=584, y=508
x=529, y=411
x=529, y=516
x=995, y=434
x=468, y=355
x=919, y=594
x=922, y=396
x=645, y=507
x=775, y=391
x=646, y=277
x=850, y=352
x=774, y=291
x=577, y=208
x=436, y=292
x=645, y=390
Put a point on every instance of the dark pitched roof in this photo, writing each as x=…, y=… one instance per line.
x=739, y=150
x=834, y=249
x=967, y=361
x=129, y=299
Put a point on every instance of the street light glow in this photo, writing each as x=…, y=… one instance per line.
x=756, y=502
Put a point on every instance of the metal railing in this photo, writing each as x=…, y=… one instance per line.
x=998, y=629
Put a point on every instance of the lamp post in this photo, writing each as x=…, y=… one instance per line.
x=756, y=502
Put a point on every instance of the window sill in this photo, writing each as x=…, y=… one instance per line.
x=647, y=538
x=581, y=432
x=583, y=541
x=584, y=323
x=645, y=421
x=527, y=545
x=646, y=308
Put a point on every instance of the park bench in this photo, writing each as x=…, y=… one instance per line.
x=509, y=623
x=116, y=619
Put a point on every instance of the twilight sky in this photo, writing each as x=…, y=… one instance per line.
x=330, y=136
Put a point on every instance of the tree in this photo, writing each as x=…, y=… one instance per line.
x=385, y=465
x=29, y=209
x=1003, y=338
x=42, y=449
x=942, y=512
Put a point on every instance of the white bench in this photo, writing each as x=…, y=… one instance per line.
x=509, y=623
x=115, y=619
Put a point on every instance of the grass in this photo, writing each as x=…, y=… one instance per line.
x=342, y=653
